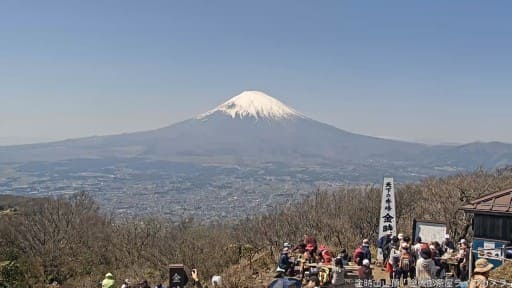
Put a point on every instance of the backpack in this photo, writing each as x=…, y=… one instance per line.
x=405, y=261
x=338, y=276
x=324, y=275
x=284, y=261
x=358, y=256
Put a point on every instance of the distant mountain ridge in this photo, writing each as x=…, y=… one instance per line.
x=254, y=127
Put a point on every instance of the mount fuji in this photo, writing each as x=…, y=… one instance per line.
x=254, y=127
x=241, y=158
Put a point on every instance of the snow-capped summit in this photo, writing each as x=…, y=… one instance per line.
x=254, y=104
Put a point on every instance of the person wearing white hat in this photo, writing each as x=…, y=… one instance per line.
x=364, y=271
x=285, y=262
x=217, y=281
x=404, y=264
x=108, y=282
x=481, y=274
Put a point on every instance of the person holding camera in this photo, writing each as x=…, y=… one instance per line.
x=195, y=277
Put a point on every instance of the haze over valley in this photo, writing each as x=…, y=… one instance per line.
x=246, y=155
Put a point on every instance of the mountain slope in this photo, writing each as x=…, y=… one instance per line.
x=255, y=127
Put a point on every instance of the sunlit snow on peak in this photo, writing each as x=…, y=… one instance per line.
x=255, y=104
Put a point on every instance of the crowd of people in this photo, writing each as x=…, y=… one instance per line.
x=425, y=263
x=407, y=263
x=316, y=266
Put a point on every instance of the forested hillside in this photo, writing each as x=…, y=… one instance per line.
x=72, y=241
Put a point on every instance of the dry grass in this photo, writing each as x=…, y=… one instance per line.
x=504, y=272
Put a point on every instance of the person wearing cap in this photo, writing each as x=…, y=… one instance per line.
x=462, y=241
x=384, y=240
x=109, y=281
x=364, y=272
x=480, y=274
x=285, y=261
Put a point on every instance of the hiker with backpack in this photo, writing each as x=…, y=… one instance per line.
x=324, y=275
x=325, y=255
x=362, y=252
x=338, y=273
x=359, y=256
x=384, y=240
x=394, y=257
x=404, y=264
x=364, y=272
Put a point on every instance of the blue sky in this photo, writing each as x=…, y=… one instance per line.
x=433, y=71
